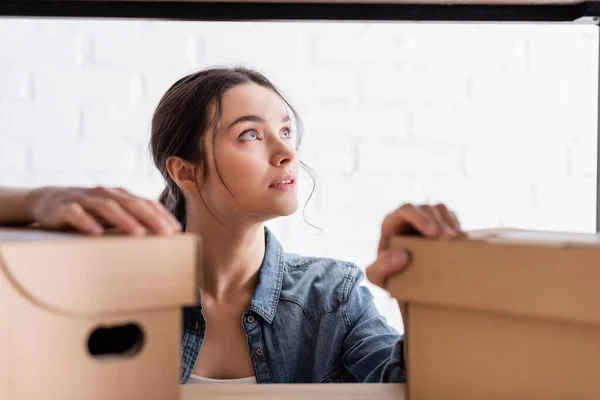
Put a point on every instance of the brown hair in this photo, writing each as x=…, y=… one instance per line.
x=182, y=119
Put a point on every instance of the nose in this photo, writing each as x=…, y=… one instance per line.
x=283, y=154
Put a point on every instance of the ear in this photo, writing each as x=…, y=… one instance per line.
x=185, y=174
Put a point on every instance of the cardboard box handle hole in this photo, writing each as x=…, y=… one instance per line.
x=116, y=341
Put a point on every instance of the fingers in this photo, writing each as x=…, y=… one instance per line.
x=404, y=220
x=134, y=214
x=441, y=216
x=149, y=216
x=450, y=219
x=89, y=209
x=429, y=221
x=111, y=212
x=73, y=214
x=455, y=221
x=388, y=263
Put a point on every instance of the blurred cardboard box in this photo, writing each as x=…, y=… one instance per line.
x=93, y=318
x=504, y=314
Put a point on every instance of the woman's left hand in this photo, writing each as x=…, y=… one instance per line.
x=424, y=220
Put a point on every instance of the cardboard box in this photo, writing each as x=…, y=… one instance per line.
x=93, y=318
x=502, y=315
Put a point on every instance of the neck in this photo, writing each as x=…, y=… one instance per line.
x=231, y=257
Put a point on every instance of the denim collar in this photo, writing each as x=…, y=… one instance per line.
x=270, y=278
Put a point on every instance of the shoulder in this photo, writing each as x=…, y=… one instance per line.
x=320, y=285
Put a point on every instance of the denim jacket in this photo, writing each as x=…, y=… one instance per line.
x=309, y=321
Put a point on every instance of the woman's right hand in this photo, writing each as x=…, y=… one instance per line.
x=90, y=210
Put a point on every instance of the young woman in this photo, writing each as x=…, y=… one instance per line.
x=224, y=142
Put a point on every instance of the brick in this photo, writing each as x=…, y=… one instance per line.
x=332, y=88
x=480, y=219
x=89, y=155
x=354, y=207
x=14, y=157
x=138, y=184
x=12, y=25
x=546, y=219
x=40, y=119
x=384, y=85
x=584, y=159
x=16, y=83
x=151, y=50
x=579, y=194
x=517, y=158
x=309, y=242
x=148, y=184
x=345, y=235
x=22, y=179
x=518, y=91
x=319, y=29
x=512, y=108
x=481, y=202
x=83, y=87
x=358, y=123
x=465, y=122
x=548, y=122
x=137, y=89
x=468, y=47
x=375, y=44
x=114, y=121
x=156, y=178
x=146, y=163
x=64, y=178
x=566, y=204
x=26, y=47
x=150, y=27
x=329, y=153
x=486, y=193
x=69, y=27
x=565, y=48
x=292, y=85
x=364, y=197
x=409, y=156
x=195, y=51
x=156, y=83
x=298, y=236
x=253, y=46
x=85, y=50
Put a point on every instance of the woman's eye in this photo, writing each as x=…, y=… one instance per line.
x=249, y=135
x=287, y=133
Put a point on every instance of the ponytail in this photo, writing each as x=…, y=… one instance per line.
x=173, y=200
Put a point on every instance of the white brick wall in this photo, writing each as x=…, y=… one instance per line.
x=499, y=121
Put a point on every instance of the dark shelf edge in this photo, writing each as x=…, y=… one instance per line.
x=235, y=11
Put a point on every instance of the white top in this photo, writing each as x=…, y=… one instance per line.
x=195, y=379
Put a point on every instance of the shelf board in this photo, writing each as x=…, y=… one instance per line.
x=531, y=11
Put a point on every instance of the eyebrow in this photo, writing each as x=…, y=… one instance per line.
x=254, y=118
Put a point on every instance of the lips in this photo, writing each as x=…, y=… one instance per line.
x=284, y=182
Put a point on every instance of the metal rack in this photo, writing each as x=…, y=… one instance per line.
x=470, y=11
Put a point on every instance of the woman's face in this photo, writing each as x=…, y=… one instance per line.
x=255, y=155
